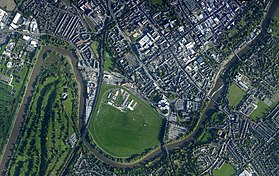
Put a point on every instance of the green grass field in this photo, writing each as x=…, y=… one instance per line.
x=43, y=146
x=205, y=137
x=235, y=95
x=108, y=62
x=260, y=111
x=94, y=47
x=122, y=134
x=225, y=170
x=275, y=25
x=11, y=95
x=157, y=2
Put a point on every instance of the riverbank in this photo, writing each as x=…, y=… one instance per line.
x=235, y=55
x=77, y=74
x=18, y=120
x=211, y=106
x=28, y=94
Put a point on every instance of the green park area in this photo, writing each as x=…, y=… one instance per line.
x=43, y=146
x=8, y=104
x=205, y=137
x=225, y=170
x=259, y=111
x=12, y=91
x=124, y=133
x=157, y=2
x=235, y=95
x=108, y=62
x=275, y=25
x=94, y=47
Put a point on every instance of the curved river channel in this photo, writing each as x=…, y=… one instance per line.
x=28, y=94
x=36, y=71
x=210, y=107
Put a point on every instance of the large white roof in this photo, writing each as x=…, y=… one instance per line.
x=16, y=18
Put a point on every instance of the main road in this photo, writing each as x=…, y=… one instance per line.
x=84, y=129
x=218, y=82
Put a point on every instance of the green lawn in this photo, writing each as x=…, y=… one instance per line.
x=205, y=137
x=10, y=97
x=108, y=62
x=225, y=170
x=260, y=111
x=43, y=147
x=94, y=46
x=122, y=134
x=68, y=104
x=275, y=25
x=235, y=95
x=157, y=2
x=217, y=118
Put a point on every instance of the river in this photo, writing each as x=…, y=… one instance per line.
x=220, y=81
x=28, y=95
x=36, y=70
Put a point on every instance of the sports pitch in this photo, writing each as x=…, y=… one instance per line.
x=235, y=95
x=227, y=169
x=124, y=133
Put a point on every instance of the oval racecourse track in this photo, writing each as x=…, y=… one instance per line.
x=218, y=83
x=27, y=96
x=36, y=70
